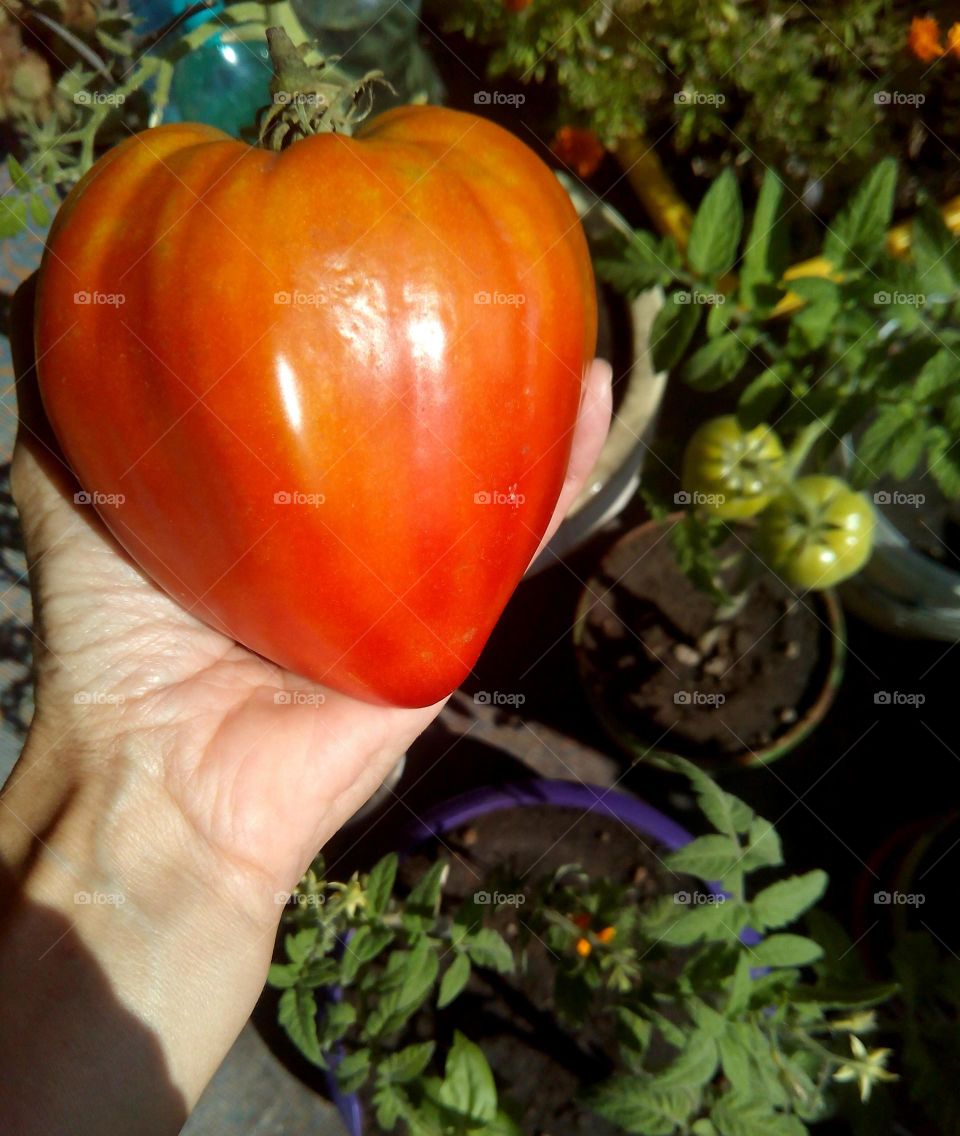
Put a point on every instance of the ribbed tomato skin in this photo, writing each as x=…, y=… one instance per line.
x=385, y=392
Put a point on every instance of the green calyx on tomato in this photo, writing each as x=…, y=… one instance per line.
x=326, y=441
x=816, y=532
x=732, y=472
x=310, y=99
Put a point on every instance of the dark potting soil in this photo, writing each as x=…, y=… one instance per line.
x=540, y=1065
x=667, y=668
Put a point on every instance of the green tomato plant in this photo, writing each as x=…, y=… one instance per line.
x=112, y=81
x=852, y=353
x=766, y=84
x=712, y=1032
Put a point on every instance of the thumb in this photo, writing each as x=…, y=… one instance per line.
x=589, y=435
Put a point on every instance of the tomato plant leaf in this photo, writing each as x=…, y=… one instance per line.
x=878, y=448
x=39, y=213
x=857, y=235
x=640, y=265
x=761, y=396
x=943, y=456
x=937, y=376
x=763, y=846
x=281, y=976
x=424, y=899
x=672, y=330
x=299, y=945
x=338, y=1017
x=741, y=982
x=419, y=974
x=716, y=363
x=933, y=249
x=765, y=255
x=727, y=813
x=707, y=857
x=455, y=978
x=737, y=1114
x=786, y=950
x=692, y=923
x=639, y=1108
x=468, y=1088
x=380, y=884
x=13, y=215
x=18, y=175
x=487, y=947
x=786, y=900
x=389, y=1102
x=815, y=320
x=633, y=1031
x=297, y=1014
x=717, y=228
x=406, y=1064
x=352, y=1070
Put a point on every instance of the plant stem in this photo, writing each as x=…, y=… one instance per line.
x=804, y=443
x=310, y=99
x=82, y=49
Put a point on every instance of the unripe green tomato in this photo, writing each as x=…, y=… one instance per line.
x=817, y=532
x=730, y=471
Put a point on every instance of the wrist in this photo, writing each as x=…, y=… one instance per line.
x=110, y=888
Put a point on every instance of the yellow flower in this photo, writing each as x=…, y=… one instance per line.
x=923, y=39
x=583, y=948
x=867, y=1069
x=861, y=1022
x=953, y=40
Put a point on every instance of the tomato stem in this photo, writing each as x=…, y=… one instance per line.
x=805, y=441
x=308, y=99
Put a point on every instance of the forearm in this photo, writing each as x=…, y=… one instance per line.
x=129, y=960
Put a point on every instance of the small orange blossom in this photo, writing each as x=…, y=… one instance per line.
x=924, y=38
x=579, y=149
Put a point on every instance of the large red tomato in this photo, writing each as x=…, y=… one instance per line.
x=323, y=397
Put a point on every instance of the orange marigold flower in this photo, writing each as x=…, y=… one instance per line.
x=607, y=935
x=924, y=39
x=953, y=40
x=583, y=948
x=581, y=150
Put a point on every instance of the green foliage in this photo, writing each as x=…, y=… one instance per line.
x=25, y=202
x=701, y=1041
x=869, y=352
x=103, y=76
x=785, y=85
x=695, y=540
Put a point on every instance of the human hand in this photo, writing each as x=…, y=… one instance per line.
x=126, y=675
x=184, y=785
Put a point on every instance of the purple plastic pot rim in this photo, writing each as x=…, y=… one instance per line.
x=474, y=803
